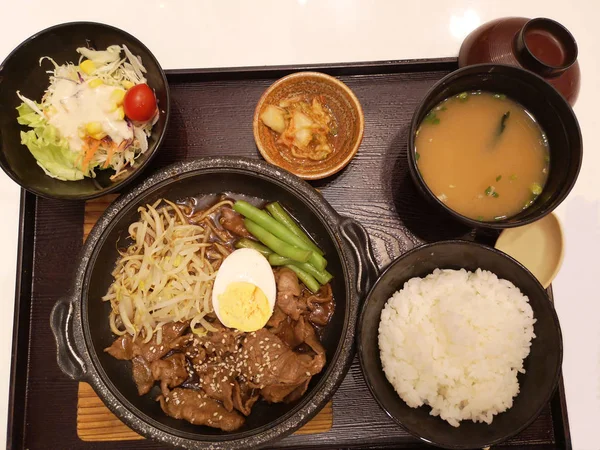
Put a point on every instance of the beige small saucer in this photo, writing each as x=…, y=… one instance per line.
x=539, y=246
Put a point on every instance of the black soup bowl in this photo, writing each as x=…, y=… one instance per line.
x=549, y=109
x=542, y=365
x=80, y=321
x=21, y=71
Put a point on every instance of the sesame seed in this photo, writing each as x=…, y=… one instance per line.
x=215, y=414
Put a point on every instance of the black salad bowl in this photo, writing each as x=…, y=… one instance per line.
x=22, y=71
x=542, y=366
x=546, y=104
x=80, y=320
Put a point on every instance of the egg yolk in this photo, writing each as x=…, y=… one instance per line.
x=244, y=306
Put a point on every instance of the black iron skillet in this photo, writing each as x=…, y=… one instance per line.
x=80, y=321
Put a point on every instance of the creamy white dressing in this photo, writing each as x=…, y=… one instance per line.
x=78, y=104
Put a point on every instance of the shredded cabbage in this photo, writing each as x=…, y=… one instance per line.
x=111, y=54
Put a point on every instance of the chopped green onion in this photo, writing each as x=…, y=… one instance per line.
x=431, y=118
x=547, y=157
x=499, y=177
x=513, y=177
x=490, y=190
x=500, y=96
x=536, y=189
x=495, y=195
x=480, y=218
x=463, y=96
x=417, y=156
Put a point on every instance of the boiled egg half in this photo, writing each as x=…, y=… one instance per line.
x=244, y=291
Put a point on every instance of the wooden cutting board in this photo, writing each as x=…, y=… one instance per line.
x=95, y=422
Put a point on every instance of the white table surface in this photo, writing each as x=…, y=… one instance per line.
x=190, y=34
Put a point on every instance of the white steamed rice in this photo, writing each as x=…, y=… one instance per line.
x=456, y=340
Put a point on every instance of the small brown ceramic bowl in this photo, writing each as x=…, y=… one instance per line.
x=345, y=108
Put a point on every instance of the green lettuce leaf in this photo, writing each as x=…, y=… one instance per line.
x=50, y=151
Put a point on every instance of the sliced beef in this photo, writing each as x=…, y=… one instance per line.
x=121, y=348
x=277, y=393
x=182, y=342
x=217, y=382
x=221, y=364
x=142, y=375
x=126, y=348
x=244, y=397
x=297, y=332
x=305, y=331
x=171, y=331
x=221, y=342
x=320, y=313
x=234, y=223
x=324, y=295
x=288, y=293
x=170, y=371
x=320, y=305
x=286, y=332
x=271, y=361
x=297, y=393
x=276, y=318
x=196, y=354
x=197, y=408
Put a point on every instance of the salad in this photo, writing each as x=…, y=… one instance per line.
x=95, y=115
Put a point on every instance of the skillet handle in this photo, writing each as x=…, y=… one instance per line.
x=61, y=322
x=356, y=235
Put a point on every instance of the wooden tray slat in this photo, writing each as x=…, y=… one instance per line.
x=95, y=422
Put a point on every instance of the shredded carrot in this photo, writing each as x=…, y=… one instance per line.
x=114, y=148
x=111, y=152
x=90, y=146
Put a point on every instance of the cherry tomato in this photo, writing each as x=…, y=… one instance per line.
x=139, y=103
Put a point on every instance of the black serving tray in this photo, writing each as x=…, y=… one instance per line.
x=212, y=115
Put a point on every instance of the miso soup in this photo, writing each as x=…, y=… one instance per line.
x=483, y=155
